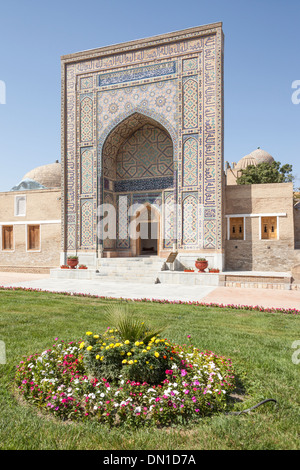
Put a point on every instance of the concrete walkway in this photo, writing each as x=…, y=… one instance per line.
x=266, y=298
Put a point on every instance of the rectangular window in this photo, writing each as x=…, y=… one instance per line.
x=236, y=228
x=20, y=205
x=33, y=237
x=8, y=237
x=269, y=228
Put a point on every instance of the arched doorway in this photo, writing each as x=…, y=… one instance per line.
x=137, y=167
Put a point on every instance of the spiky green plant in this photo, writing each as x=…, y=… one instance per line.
x=120, y=317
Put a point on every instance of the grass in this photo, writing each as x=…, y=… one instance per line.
x=258, y=343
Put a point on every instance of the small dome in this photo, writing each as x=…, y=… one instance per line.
x=245, y=161
x=48, y=176
x=26, y=185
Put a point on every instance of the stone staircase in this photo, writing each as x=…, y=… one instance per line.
x=140, y=270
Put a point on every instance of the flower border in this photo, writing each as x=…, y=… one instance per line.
x=256, y=308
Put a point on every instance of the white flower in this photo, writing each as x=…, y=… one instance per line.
x=102, y=395
x=138, y=409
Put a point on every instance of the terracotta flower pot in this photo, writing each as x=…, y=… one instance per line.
x=201, y=265
x=72, y=263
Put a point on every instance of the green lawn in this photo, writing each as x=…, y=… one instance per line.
x=259, y=344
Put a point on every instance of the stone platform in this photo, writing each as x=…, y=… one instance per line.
x=154, y=270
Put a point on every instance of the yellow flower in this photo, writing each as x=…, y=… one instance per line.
x=107, y=347
x=156, y=354
x=135, y=360
x=137, y=343
x=122, y=353
x=124, y=361
x=97, y=357
x=153, y=338
x=130, y=362
x=148, y=347
x=101, y=358
x=89, y=348
x=144, y=350
x=89, y=333
x=157, y=340
x=127, y=342
x=129, y=354
x=81, y=345
x=96, y=336
x=147, y=362
x=111, y=345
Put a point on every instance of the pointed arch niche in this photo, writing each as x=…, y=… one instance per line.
x=136, y=167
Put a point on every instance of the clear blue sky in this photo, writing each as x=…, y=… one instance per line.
x=262, y=60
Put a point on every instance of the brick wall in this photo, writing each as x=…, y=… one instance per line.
x=253, y=254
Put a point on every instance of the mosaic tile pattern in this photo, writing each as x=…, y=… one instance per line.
x=86, y=83
x=148, y=153
x=86, y=118
x=87, y=173
x=151, y=100
x=123, y=240
x=86, y=225
x=190, y=103
x=108, y=243
x=190, y=64
x=190, y=220
x=169, y=219
x=190, y=162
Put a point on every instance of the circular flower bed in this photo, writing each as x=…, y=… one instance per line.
x=148, y=382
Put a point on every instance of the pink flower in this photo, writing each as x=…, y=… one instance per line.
x=183, y=372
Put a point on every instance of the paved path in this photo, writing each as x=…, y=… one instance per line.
x=222, y=295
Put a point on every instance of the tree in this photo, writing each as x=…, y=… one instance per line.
x=266, y=173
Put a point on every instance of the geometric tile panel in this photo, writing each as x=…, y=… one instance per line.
x=158, y=98
x=190, y=162
x=209, y=234
x=86, y=119
x=87, y=230
x=190, y=220
x=190, y=103
x=148, y=153
x=86, y=82
x=87, y=171
x=169, y=220
x=123, y=240
x=189, y=64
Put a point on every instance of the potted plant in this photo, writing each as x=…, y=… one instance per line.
x=214, y=270
x=72, y=261
x=201, y=264
x=82, y=266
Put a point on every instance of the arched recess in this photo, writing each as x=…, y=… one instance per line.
x=137, y=157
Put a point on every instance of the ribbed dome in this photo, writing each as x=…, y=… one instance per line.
x=246, y=161
x=48, y=176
